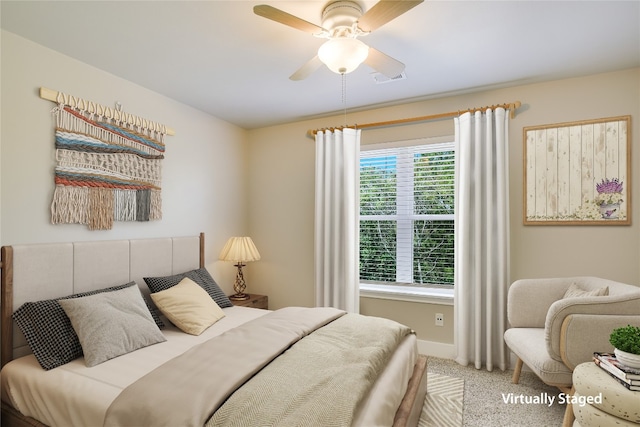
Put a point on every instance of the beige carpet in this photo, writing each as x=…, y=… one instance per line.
x=444, y=403
x=484, y=397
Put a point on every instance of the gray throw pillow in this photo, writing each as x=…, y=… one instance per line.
x=111, y=324
x=48, y=330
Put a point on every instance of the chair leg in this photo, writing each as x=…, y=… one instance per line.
x=569, y=416
x=516, y=371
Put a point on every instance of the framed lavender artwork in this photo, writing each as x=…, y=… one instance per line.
x=578, y=173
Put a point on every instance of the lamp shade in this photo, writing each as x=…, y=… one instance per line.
x=342, y=55
x=239, y=249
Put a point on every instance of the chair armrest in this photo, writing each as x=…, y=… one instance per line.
x=529, y=300
x=604, y=307
x=583, y=334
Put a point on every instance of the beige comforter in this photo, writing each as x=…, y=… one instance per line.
x=319, y=381
x=187, y=390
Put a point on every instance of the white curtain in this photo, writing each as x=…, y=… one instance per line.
x=482, y=238
x=337, y=219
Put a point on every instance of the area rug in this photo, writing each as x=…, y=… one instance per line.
x=444, y=402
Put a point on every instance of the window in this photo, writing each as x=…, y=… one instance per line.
x=407, y=216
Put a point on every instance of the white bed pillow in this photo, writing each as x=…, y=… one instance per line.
x=188, y=306
x=111, y=324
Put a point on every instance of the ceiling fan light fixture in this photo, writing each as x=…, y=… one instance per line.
x=342, y=55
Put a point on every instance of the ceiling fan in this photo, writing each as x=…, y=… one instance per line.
x=343, y=21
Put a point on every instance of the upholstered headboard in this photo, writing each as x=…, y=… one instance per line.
x=44, y=271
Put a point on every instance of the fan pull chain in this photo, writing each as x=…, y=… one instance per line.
x=344, y=97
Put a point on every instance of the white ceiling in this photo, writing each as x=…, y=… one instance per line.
x=219, y=57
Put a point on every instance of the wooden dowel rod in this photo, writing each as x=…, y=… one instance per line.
x=53, y=95
x=6, y=305
x=512, y=107
x=202, y=260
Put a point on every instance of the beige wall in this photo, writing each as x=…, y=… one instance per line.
x=204, y=184
x=281, y=188
x=222, y=180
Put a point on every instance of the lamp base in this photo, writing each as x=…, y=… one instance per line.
x=239, y=297
x=239, y=286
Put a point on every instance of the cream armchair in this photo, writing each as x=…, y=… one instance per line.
x=552, y=334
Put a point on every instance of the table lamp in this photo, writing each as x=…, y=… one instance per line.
x=239, y=250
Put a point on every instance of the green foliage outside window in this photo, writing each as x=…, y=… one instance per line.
x=432, y=243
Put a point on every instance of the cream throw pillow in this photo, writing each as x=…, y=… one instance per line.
x=188, y=306
x=575, y=291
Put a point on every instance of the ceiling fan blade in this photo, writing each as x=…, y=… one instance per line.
x=285, y=18
x=384, y=63
x=385, y=11
x=307, y=69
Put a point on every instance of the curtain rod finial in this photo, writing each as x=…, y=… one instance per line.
x=513, y=107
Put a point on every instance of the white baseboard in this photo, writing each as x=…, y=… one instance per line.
x=448, y=351
x=436, y=349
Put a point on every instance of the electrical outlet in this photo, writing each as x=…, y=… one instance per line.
x=439, y=319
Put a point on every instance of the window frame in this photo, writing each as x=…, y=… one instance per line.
x=432, y=294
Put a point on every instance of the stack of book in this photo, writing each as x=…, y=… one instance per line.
x=628, y=377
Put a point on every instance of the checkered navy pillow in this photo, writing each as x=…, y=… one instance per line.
x=201, y=276
x=49, y=332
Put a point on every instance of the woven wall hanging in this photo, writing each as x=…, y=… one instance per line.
x=106, y=169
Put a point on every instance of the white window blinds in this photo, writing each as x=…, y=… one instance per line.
x=407, y=215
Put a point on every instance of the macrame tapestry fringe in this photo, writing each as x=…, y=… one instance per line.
x=104, y=172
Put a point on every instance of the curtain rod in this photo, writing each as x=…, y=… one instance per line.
x=512, y=107
x=111, y=113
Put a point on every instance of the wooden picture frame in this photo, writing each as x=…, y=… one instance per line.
x=578, y=173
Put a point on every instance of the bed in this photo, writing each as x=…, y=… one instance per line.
x=167, y=381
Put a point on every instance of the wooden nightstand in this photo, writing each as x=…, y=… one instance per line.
x=254, y=301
